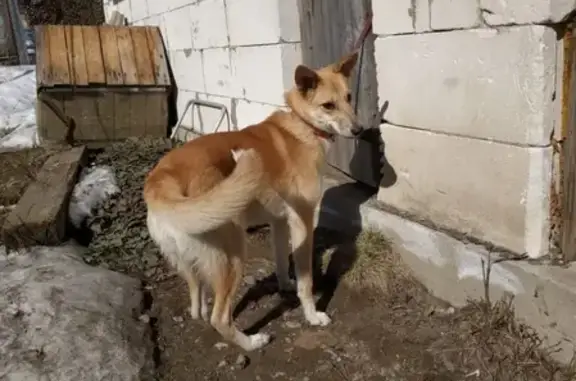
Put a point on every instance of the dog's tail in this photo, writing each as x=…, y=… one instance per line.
x=219, y=205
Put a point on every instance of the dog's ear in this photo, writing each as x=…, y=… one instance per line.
x=306, y=78
x=346, y=64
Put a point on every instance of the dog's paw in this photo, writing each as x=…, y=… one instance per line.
x=257, y=341
x=194, y=313
x=197, y=313
x=318, y=318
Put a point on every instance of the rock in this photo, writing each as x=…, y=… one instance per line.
x=292, y=325
x=222, y=364
x=220, y=346
x=61, y=319
x=241, y=361
x=178, y=319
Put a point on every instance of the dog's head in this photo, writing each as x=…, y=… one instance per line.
x=325, y=97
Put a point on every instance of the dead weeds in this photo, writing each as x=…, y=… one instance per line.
x=17, y=170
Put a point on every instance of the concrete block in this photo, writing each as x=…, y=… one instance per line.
x=491, y=191
x=178, y=29
x=248, y=113
x=243, y=28
x=41, y=215
x=401, y=16
x=454, y=14
x=497, y=12
x=492, y=84
x=156, y=7
x=393, y=16
x=139, y=9
x=219, y=74
x=208, y=20
x=265, y=72
x=188, y=69
x=544, y=296
x=123, y=7
x=289, y=20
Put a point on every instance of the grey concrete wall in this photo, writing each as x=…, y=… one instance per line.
x=474, y=95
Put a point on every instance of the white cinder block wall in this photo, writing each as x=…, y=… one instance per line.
x=241, y=53
x=474, y=96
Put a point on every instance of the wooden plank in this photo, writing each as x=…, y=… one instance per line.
x=127, y=59
x=80, y=70
x=43, y=76
x=94, y=61
x=324, y=41
x=60, y=67
x=51, y=128
x=157, y=121
x=142, y=56
x=567, y=218
x=95, y=113
x=40, y=217
x=158, y=53
x=111, y=56
x=124, y=118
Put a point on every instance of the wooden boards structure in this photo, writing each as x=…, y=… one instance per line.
x=113, y=81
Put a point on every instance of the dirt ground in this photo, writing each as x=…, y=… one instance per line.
x=385, y=325
x=17, y=170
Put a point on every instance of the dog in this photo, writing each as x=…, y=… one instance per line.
x=202, y=196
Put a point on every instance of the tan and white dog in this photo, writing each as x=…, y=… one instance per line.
x=202, y=196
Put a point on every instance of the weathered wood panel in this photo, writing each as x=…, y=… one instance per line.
x=126, y=49
x=78, y=56
x=94, y=59
x=329, y=30
x=567, y=194
x=101, y=56
x=59, y=66
x=111, y=56
x=142, y=56
x=158, y=55
x=8, y=45
x=43, y=77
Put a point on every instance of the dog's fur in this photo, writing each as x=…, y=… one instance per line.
x=202, y=196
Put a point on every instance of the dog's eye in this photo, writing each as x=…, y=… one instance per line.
x=329, y=105
x=348, y=98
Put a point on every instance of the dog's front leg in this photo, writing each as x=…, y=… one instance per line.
x=301, y=222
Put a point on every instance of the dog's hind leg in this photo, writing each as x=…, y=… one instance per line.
x=226, y=278
x=301, y=222
x=198, y=302
x=280, y=245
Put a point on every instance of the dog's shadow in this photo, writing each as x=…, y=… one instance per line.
x=328, y=269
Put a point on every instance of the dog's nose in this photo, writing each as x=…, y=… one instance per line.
x=356, y=130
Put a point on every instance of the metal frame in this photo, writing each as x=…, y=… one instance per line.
x=190, y=106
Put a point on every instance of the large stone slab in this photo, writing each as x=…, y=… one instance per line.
x=499, y=12
x=494, y=84
x=494, y=192
x=61, y=319
x=40, y=217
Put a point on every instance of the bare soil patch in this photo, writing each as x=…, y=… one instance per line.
x=386, y=325
x=17, y=170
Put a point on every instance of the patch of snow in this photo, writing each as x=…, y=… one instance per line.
x=17, y=107
x=96, y=185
